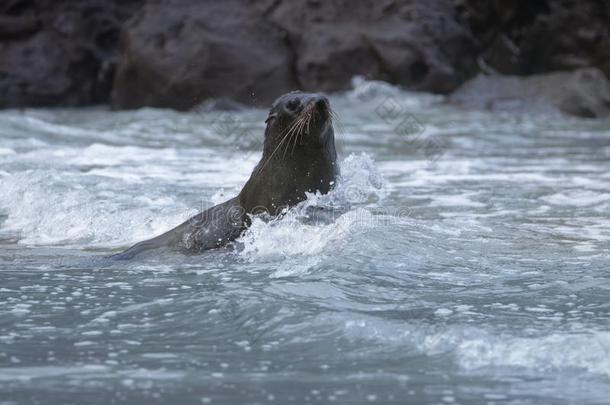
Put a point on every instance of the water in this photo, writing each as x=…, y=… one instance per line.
x=472, y=266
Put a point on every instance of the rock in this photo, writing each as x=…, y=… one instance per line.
x=537, y=36
x=582, y=93
x=12, y=27
x=179, y=53
x=58, y=52
x=414, y=44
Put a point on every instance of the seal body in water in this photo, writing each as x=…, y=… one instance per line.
x=299, y=156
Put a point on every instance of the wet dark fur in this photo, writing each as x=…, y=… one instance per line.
x=299, y=156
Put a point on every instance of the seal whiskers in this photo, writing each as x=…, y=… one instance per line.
x=296, y=135
x=298, y=123
x=288, y=130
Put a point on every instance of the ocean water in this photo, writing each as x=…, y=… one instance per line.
x=472, y=266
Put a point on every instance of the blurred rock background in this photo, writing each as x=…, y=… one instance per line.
x=180, y=53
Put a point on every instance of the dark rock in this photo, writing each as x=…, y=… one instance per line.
x=536, y=36
x=176, y=54
x=58, y=52
x=179, y=53
x=582, y=93
x=12, y=27
x=415, y=44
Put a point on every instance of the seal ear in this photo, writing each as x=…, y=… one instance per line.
x=270, y=117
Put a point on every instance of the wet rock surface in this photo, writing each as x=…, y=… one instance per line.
x=59, y=52
x=177, y=54
x=180, y=53
x=583, y=93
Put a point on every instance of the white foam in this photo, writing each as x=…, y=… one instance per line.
x=551, y=352
x=577, y=198
x=292, y=236
x=85, y=195
x=365, y=93
x=29, y=373
x=105, y=155
x=477, y=349
x=460, y=200
x=43, y=210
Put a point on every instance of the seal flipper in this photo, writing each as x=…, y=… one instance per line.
x=214, y=227
x=207, y=230
x=136, y=250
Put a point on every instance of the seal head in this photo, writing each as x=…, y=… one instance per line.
x=299, y=154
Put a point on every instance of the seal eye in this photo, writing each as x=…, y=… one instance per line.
x=293, y=104
x=269, y=118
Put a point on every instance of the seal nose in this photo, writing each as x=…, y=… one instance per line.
x=321, y=102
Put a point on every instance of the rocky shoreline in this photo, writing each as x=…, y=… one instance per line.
x=180, y=53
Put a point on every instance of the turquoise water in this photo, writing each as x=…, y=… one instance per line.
x=472, y=267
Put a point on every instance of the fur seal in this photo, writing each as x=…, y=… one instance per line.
x=299, y=156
